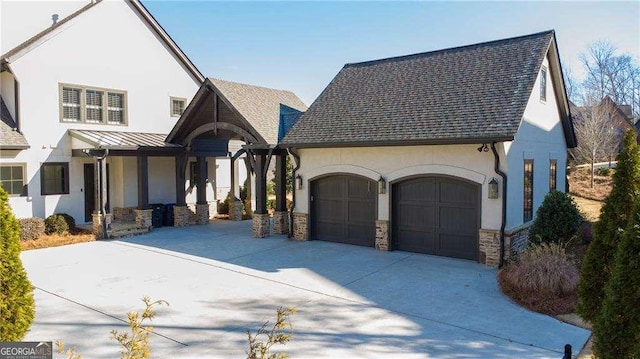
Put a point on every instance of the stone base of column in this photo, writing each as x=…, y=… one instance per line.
x=235, y=210
x=281, y=222
x=182, y=216
x=202, y=213
x=489, y=247
x=300, y=229
x=97, y=227
x=261, y=225
x=382, y=235
x=143, y=218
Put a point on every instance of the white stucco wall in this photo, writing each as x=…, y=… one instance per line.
x=395, y=163
x=109, y=46
x=541, y=138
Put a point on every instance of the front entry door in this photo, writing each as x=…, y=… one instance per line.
x=90, y=191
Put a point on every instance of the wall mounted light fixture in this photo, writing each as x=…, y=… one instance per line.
x=493, y=188
x=298, y=182
x=382, y=185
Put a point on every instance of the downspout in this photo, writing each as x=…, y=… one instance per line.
x=504, y=201
x=293, y=198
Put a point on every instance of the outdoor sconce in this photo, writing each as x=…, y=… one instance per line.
x=493, y=188
x=298, y=182
x=382, y=185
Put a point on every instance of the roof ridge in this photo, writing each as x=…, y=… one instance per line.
x=49, y=29
x=450, y=49
x=250, y=85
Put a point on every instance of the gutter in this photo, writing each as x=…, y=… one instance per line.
x=504, y=201
x=296, y=156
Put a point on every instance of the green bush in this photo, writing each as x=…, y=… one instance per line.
x=17, y=308
x=557, y=219
x=31, y=228
x=542, y=279
x=71, y=222
x=617, y=327
x=55, y=223
x=598, y=261
x=223, y=207
x=604, y=171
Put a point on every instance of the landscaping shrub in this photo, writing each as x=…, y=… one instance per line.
x=617, y=208
x=71, y=222
x=55, y=223
x=17, y=308
x=617, y=327
x=604, y=171
x=557, y=220
x=542, y=279
x=31, y=228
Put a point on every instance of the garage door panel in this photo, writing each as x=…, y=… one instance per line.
x=343, y=210
x=436, y=215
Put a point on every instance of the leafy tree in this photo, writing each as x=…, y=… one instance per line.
x=17, y=308
x=617, y=327
x=615, y=213
x=557, y=219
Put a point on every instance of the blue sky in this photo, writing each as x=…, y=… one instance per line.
x=300, y=46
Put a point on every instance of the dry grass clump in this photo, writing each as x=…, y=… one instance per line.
x=56, y=240
x=542, y=279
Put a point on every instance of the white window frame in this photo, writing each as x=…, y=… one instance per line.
x=544, y=79
x=172, y=108
x=23, y=166
x=104, y=106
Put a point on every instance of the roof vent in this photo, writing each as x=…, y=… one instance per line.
x=54, y=18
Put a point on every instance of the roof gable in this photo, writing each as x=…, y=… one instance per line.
x=468, y=94
x=154, y=26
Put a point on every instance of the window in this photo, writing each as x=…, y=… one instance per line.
x=12, y=179
x=543, y=84
x=92, y=105
x=177, y=106
x=528, y=190
x=54, y=178
x=552, y=174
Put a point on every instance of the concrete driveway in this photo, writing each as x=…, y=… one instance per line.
x=352, y=302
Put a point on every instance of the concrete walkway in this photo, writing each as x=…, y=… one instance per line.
x=352, y=302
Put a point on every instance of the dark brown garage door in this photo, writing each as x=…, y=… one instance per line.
x=436, y=215
x=343, y=209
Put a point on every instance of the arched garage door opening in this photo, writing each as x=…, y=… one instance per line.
x=343, y=209
x=436, y=215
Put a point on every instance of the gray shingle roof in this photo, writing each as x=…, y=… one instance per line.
x=467, y=94
x=10, y=138
x=260, y=106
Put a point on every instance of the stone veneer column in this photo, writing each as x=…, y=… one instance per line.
x=281, y=222
x=261, y=225
x=143, y=218
x=382, y=235
x=489, y=247
x=181, y=216
x=300, y=229
x=97, y=224
x=202, y=213
x=235, y=210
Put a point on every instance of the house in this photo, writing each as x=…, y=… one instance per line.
x=89, y=94
x=448, y=152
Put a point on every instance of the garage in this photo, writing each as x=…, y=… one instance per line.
x=436, y=215
x=343, y=210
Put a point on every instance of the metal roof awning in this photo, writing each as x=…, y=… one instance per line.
x=122, y=143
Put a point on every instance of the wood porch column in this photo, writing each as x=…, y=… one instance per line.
x=143, y=182
x=181, y=167
x=281, y=183
x=201, y=185
x=261, y=183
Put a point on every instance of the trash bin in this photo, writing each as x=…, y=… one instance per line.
x=156, y=214
x=167, y=218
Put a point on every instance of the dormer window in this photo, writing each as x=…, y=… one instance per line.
x=177, y=106
x=543, y=84
x=82, y=104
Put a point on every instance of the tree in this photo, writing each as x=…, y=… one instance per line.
x=597, y=138
x=617, y=327
x=596, y=267
x=17, y=308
